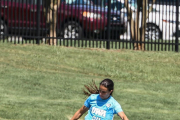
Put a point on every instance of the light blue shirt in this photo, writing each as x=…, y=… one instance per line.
x=100, y=109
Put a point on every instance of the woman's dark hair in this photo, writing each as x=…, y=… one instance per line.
x=108, y=83
x=91, y=88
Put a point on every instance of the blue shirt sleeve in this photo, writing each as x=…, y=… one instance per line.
x=87, y=102
x=117, y=108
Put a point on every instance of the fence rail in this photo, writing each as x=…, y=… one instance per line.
x=88, y=23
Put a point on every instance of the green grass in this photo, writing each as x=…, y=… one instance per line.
x=45, y=82
x=150, y=45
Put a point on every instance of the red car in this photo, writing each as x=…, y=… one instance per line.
x=76, y=19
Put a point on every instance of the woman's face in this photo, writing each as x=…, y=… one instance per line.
x=104, y=92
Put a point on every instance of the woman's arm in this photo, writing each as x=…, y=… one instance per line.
x=123, y=116
x=80, y=112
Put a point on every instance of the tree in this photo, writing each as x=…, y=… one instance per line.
x=138, y=34
x=50, y=9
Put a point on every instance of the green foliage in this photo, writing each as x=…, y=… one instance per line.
x=45, y=82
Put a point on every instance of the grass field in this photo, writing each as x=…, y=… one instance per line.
x=45, y=82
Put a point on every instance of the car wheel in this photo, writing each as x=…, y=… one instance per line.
x=3, y=30
x=72, y=30
x=152, y=32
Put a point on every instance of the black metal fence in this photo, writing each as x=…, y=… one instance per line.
x=88, y=23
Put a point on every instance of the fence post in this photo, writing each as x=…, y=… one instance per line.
x=38, y=21
x=108, y=25
x=177, y=24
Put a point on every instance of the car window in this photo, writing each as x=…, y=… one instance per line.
x=81, y=2
x=115, y=4
x=8, y=0
x=164, y=2
x=20, y=1
x=78, y=2
x=34, y=2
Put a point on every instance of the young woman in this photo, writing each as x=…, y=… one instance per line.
x=100, y=104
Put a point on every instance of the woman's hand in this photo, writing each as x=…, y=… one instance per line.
x=80, y=112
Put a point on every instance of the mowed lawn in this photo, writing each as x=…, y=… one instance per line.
x=41, y=82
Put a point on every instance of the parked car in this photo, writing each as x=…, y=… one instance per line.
x=161, y=23
x=76, y=19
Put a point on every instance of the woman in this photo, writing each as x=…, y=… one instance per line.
x=100, y=103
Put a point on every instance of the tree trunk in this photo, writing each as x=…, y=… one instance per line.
x=144, y=8
x=51, y=8
x=137, y=34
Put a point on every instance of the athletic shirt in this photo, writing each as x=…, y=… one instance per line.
x=101, y=109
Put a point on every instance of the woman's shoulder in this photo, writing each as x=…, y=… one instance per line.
x=94, y=95
x=114, y=101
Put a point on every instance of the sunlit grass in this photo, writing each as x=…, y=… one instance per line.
x=41, y=82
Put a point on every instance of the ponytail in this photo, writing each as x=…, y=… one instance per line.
x=91, y=88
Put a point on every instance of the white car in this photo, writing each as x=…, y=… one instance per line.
x=161, y=23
